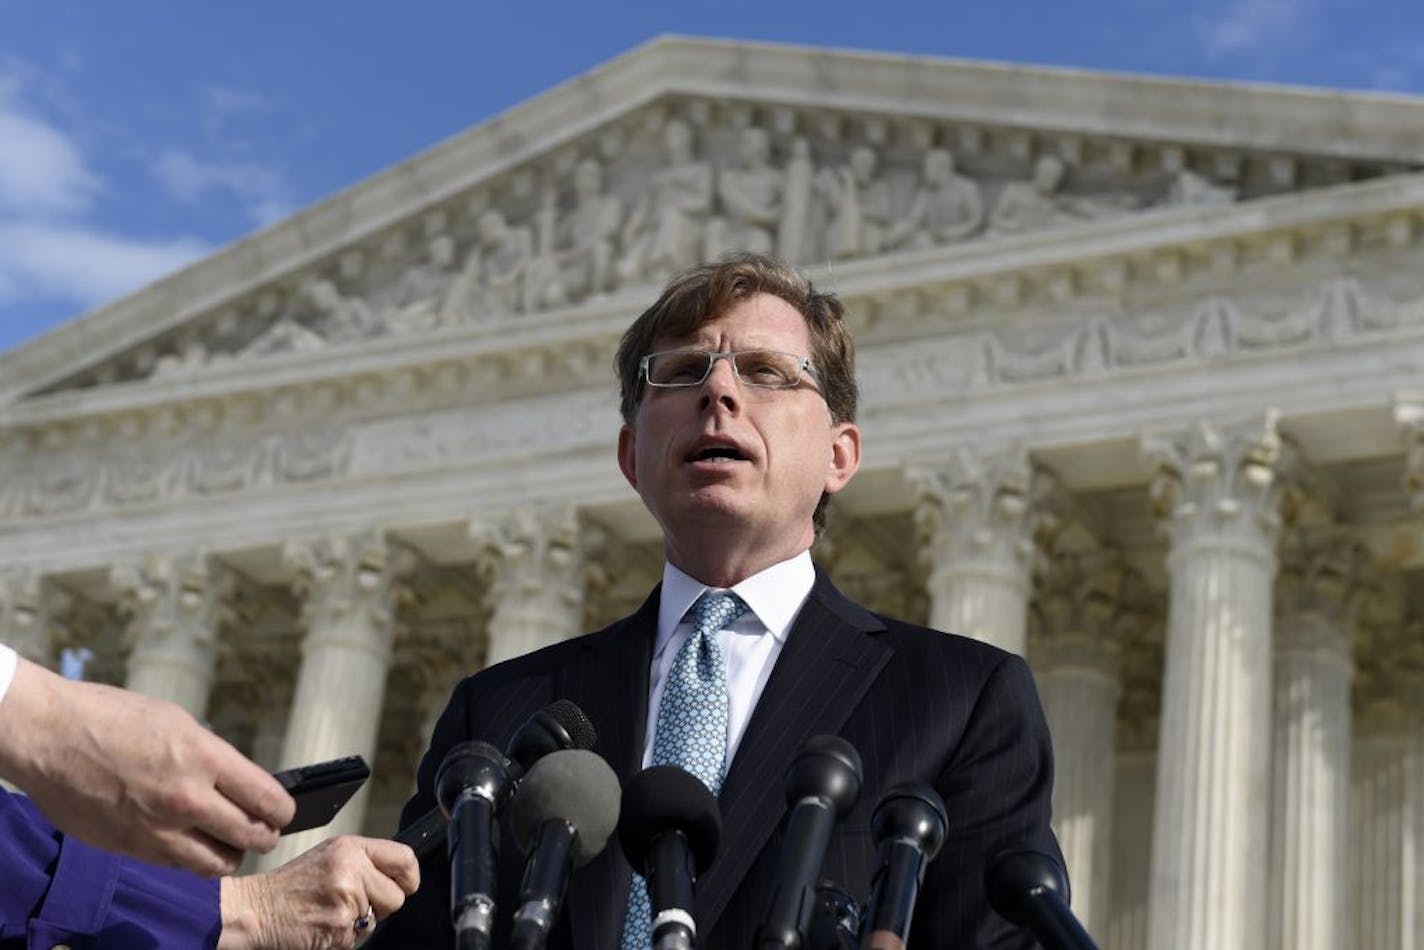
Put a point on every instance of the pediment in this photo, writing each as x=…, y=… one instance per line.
x=684, y=149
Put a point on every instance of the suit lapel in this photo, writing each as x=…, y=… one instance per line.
x=610, y=684
x=829, y=661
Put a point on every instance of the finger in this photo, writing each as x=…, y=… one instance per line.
x=197, y=852
x=384, y=895
x=394, y=860
x=250, y=788
x=218, y=816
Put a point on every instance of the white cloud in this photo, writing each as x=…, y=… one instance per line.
x=1248, y=26
x=42, y=170
x=84, y=265
x=189, y=179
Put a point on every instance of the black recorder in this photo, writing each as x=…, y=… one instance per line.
x=321, y=789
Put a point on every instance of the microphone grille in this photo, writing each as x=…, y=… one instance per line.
x=575, y=722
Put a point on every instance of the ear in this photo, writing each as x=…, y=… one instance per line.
x=845, y=456
x=627, y=456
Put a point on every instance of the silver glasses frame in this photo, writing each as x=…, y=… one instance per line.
x=803, y=367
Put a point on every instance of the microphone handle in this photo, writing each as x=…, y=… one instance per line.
x=472, y=866
x=893, y=894
x=1053, y=923
x=671, y=873
x=546, y=876
x=788, y=917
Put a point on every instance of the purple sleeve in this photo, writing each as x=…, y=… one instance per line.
x=59, y=890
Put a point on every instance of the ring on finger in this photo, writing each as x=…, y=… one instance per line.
x=364, y=922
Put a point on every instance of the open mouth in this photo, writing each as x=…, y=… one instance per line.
x=717, y=453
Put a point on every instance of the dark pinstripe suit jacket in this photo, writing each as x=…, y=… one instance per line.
x=917, y=704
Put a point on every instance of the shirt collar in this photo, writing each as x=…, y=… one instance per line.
x=775, y=596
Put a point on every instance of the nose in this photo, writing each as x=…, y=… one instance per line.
x=721, y=387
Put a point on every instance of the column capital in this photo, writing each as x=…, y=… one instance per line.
x=175, y=598
x=534, y=551
x=983, y=502
x=1321, y=588
x=1218, y=481
x=1088, y=605
x=353, y=576
x=1389, y=679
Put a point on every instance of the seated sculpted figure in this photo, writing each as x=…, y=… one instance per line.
x=947, y=207
x=664, y=231
x=420, y=293
x=751, y=197
x=493, y=279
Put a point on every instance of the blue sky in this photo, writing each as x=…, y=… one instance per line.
x=135, y=137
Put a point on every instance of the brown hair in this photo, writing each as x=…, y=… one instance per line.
x=705, y=292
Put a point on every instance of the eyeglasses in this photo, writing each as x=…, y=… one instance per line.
x=762, y=369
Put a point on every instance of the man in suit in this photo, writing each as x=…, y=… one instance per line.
x=738, y=399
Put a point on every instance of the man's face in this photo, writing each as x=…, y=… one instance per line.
x=734, y=463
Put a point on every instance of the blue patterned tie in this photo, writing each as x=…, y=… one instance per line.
x=692, y=726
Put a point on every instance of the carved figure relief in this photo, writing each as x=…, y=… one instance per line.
x=584, y=240
x=664, y=232
x=751, y=194
x=493, y=280
x=422, y=290
x=947, y=207
x=857, y=206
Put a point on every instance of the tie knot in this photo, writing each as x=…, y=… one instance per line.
x=715, y=609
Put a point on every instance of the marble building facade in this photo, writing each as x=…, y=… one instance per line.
x=1143, y=399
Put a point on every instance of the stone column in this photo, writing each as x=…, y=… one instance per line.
x=977, y=518
x=1075, y=652
x=536, y=566
x=349, y=591
x=1387, y=771
x=23, y=624
x=173, y=607
x=1310, y=794
x=1134, y=796
x=1216, y=489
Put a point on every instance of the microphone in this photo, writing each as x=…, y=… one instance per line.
x=822, y=783
x=670, y=831
x=565, y=809
x=472, y=784
x=909, y=826
x=835, y=921
x=1030, y=888
x=559, y=725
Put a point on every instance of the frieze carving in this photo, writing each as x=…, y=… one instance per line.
x=1214, y=328
x=689, y=185
x=131, y=475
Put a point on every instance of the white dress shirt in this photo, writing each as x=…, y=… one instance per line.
x=750, y=645
x=8, y=661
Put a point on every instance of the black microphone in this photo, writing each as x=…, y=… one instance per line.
x=562, y=815
x=822, y=783
x=835, y=921
x=559, y=725
x=670, y=831
x=471, y=786
x=909, y=826
x=1030, y=888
